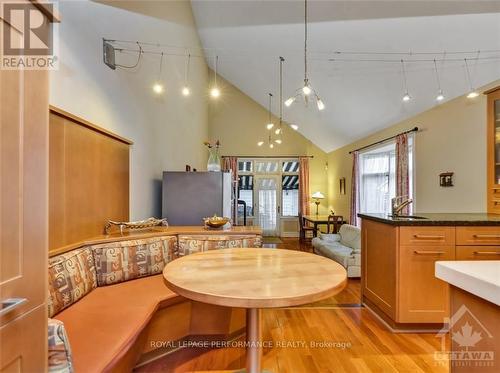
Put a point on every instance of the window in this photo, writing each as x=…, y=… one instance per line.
x=287, y=169
x=290, y=195
x=377, y=178
x=245, y=193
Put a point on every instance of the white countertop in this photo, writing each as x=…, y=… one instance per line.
x=479, y=277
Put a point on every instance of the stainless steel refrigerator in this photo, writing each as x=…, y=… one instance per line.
x=188, y=197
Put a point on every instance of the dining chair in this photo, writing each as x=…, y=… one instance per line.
x=336, y=221
x=304, y=228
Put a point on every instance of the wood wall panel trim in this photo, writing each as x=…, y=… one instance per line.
x=90, y=125
x=89, y=180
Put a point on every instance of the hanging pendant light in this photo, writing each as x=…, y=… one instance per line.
x=185, y=89
x=270, y=123
x=158, y=87
x=440, y=95
x=306, y=90
x=406, y=96
x=215, y=91
x=472, y=93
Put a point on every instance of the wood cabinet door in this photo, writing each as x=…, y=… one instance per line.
x=379, y=243
x=24, y=216
x=422, y=297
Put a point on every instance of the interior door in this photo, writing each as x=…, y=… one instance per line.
x=267, y=203
x=23, y=219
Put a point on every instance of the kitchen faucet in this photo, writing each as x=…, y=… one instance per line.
x=397, y=207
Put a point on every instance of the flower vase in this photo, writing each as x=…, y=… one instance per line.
x=213, y=163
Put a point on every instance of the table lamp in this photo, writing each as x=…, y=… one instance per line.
x=317, y=196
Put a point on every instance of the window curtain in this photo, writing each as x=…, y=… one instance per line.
x=353, y=218
x=402, y=169
x=231, y=164
x=304, y=185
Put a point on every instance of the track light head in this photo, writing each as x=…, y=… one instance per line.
x=440, y=96
x=260, y=143
x=294, y=127
x=472, y=94
x=289, y=101
x=277, y=141
x=158, y=88
x=186, y=91
x=406, y=97
x=320, y=104
x=215, y=92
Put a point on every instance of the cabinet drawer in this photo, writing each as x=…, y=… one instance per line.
x=423, y=298
x=427, y=236
x=478, y=235
x=477, y=252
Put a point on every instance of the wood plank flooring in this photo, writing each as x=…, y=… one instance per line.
x=335, y=335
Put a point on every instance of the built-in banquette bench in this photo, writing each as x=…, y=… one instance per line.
x=108, y=299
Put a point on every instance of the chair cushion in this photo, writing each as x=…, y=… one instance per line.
x=341, y=254
x=71, y=276
x=60, y=358
x=127, y=260
x=350, y=236
x=103, y=325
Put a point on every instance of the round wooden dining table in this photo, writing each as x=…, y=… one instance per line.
x=254, y=278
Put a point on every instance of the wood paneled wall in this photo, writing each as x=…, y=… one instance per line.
x=88, y=178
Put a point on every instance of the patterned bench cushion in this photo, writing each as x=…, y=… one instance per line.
x=60, y=359
x=126, y=260
x=71, y=276
x=199, y=243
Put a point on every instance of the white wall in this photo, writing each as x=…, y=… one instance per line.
x=167, y=132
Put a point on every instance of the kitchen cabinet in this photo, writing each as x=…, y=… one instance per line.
x=493, y=150
x=398, y=264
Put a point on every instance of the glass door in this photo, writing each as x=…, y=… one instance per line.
x=267, y=203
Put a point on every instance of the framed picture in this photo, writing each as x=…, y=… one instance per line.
x=342, y=185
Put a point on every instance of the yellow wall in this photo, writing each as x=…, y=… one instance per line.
x=452, y=138
x=239, y=123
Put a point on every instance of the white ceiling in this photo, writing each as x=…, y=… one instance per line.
x=360, y=97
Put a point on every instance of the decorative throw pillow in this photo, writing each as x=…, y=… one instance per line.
x=71, y=276
x=60, y=358
x=126, y=260
x=200, y=243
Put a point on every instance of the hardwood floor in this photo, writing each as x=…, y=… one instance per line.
x=335, y=335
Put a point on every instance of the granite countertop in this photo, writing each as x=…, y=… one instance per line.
x=481, y=278
x=452, y=219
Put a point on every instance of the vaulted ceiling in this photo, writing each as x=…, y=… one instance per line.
x=361, y=97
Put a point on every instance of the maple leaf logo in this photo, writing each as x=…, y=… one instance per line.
x=466, y=338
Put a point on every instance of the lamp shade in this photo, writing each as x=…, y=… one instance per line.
x=318, y=195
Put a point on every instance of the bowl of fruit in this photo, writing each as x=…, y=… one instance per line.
x=216, y=221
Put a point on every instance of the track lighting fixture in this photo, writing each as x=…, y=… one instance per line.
x=406, y=96
x=294, y=127
x=440, y=95
x=260, y=143
x=215, y=92
x=158, y=87
x=306, y=90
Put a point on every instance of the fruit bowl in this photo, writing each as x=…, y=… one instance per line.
x=216, y=221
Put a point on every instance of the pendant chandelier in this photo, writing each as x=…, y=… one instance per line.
x=306, y=91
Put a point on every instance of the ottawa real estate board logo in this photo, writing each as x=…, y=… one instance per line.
x=472, y=344
x=28, y=40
